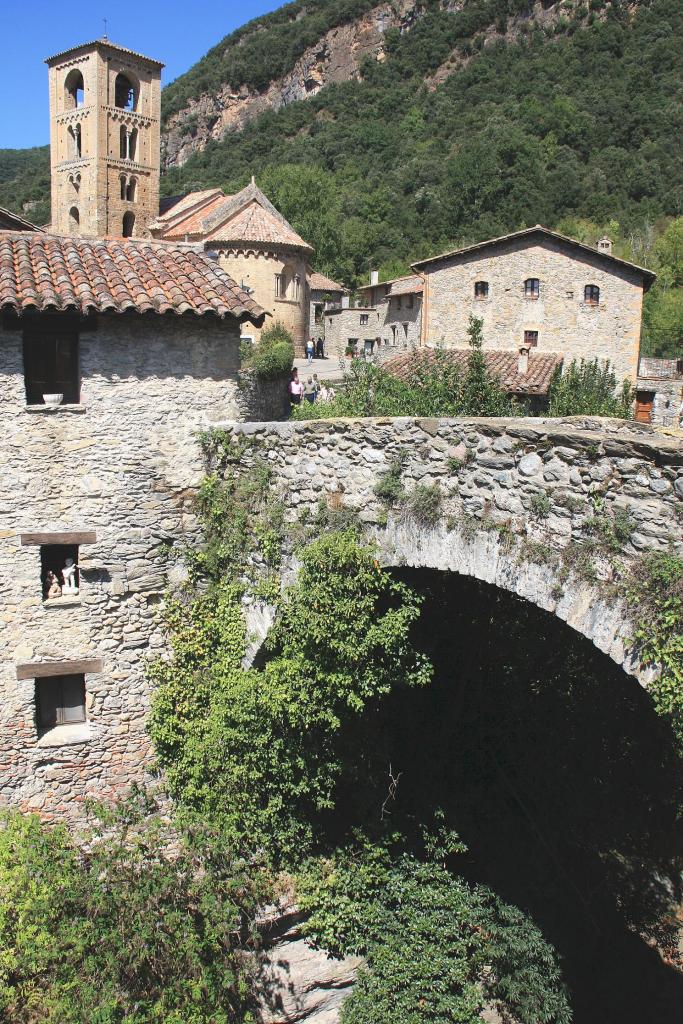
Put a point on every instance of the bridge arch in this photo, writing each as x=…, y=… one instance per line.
x=519, y=500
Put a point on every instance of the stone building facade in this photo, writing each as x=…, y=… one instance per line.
x=399, y=305
x=537, y=289
x=352, y=329
x=659, y=391
x=325, y=294
x=105, y=108
x=254, y=243
x=105, y=478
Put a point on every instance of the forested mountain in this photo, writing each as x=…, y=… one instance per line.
x=386, y=132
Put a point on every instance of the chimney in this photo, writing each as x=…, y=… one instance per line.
x=523, y=362
x=605, y=245
x=374, y=277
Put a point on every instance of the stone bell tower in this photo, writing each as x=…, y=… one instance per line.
x=105, y=104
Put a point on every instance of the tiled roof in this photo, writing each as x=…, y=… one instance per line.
x=103, y=41
x=411, y=284
x=185, y=215
x=213, y=217
x=319, y=283
x=256, y=224
x=528, y=234
x=13, y=222
x=504, y=365
x=51, y=272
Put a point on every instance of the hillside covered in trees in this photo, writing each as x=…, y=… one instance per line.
x=476, y=122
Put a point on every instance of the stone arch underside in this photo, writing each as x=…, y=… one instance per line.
x=484, y=557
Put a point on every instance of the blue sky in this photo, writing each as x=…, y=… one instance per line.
x=177, y=32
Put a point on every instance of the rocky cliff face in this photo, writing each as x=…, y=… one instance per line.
x=336, y=57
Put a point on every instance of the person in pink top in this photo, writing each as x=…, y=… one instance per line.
x=296, y=388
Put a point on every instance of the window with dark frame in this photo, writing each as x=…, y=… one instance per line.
x=364, y=319
x=532, y=288
x=51, y=365
x=481, y=289
x=52, y=562
x=591, y=295
x=530, y=339
x=60, y=700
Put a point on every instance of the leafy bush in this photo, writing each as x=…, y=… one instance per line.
x=655, y=593
x=389, y=488
x=119, y=931
x=436, y=948
x=589, y=388
x=437, y=387
x=272, y=355
x=339, y=642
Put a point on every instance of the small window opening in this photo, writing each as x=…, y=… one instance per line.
x=319, y=311
x=530, y=339
x=591, y=295
x=59, y=571
x=74, y=92
x=410, y=299
x=128, y=224
x=405, y=330
x=278, y=286
x=393, y=335
x=74, y=221
x=364, y=319
x=481, y=289
x=128, y=141
x=75, y=180
x=125, y=96
x=532, y=288
x=297, y=288
x=123, y=186
x=131, y=189
x=74, y=136
x=60, y=700
x=51, y=367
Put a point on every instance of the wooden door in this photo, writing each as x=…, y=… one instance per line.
x=644, y=403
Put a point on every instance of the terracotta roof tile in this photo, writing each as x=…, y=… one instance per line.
x=13, y=222
x=254, y=223
x=105, y=44
x=52, y=272
x=504, y=364
x=320, y=283
x=186, y=216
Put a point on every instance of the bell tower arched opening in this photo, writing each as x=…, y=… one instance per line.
x=74, y=90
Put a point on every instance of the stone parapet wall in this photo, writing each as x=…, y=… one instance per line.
x=124, y=466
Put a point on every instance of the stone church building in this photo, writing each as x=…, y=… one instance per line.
x=105, y=116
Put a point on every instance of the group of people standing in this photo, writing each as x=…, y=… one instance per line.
x=310, y=390
x=315, y=349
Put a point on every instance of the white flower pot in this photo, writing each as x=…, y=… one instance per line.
x=53, y=400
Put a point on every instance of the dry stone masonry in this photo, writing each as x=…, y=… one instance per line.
x=515, y=494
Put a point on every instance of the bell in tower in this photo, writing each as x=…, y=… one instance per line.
x=105, y=104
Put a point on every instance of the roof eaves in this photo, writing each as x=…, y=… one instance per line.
x=648, y=275
x=105, y=43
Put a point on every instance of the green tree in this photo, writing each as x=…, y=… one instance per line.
x=589, y=388
x=118, y=931
x=273, y=353
x=482, y=394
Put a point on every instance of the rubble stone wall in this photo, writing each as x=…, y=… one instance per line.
x=123, y=465
x=514, y=494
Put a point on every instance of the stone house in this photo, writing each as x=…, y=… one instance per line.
x=399, y=304
x=536, y=289
x=352, y=329
x=141, y=341
x=659, y=391
x=325, y=294
x=254, y=243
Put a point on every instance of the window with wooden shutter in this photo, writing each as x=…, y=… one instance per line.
x=60, y=700
x=530, y=339
x=51, y=366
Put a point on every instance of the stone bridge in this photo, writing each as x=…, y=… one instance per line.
x=554, y=510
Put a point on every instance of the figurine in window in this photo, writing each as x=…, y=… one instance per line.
x=53, y=588
x=69, y=577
